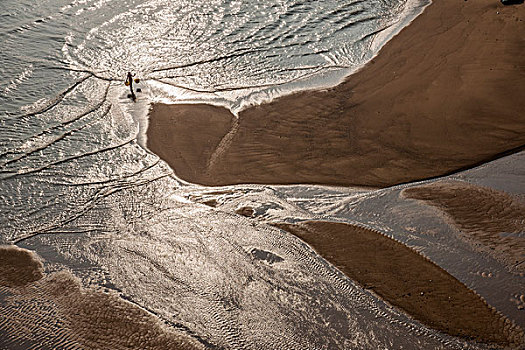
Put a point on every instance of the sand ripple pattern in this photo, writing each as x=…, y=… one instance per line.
x=78, y=189
x=408, y=280
x=195, y=268
x=57, y=312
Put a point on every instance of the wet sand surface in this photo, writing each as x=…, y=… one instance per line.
x=211, y=122
x=444, y=94
x=18, y=267
x=57, y=311
x=492, y=221
x=407, y=280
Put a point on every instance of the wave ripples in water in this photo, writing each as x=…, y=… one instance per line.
x=226, y=51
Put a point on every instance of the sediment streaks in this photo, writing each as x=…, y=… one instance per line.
x=408, y=280
x=492, y=221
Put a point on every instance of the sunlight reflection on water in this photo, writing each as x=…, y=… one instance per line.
x=77, y=186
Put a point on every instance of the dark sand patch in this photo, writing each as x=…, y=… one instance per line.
x=245, y=211
x=18, y=267
x=444, y=94
x=57, y=312
x=492, y=221
x=211, y=203
x=408, y=280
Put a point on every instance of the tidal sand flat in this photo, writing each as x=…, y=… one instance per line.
x=212, y=124
x=492, y=221
x=103, y=246
x=407, y=280
x=444, y=94
x=57, y=310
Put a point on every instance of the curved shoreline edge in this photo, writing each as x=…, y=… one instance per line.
x=322, y=78
x=443, y=94
x=408, y=280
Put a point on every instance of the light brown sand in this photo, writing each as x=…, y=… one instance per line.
x=197, y=136
x=18, y=267
x=407, y=280
x=446, y=93
x=490, y=220
x=57, y=312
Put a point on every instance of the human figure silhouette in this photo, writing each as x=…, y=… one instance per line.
x=129, y=81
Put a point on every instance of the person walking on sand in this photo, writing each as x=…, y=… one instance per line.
x=129, y=81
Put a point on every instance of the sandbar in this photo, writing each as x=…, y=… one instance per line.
x=443, y=95
x=408, y=280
